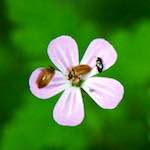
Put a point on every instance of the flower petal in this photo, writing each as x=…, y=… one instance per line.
x=56, y=85
x=63, y=52
x=106, y=92
x=69, y=110
x=102, y=49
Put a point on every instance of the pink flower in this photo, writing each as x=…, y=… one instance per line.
x=63, y=52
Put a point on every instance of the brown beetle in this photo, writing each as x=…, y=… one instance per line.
x=81, y=69
x=77, y=71
x=45, y=77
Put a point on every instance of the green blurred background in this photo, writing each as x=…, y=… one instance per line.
x=26, y=28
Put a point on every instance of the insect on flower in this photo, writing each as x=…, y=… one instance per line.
x=74, y=76
x=76, y=73
x=45, y=77
x=99, y=64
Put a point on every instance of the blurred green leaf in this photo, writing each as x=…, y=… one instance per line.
x=32, y=126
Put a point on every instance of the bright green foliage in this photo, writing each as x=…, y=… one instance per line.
x=27, y=122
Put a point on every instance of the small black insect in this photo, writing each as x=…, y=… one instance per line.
x=99, y=64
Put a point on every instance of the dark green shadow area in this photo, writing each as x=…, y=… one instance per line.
x=113, y=14
x=12, y=74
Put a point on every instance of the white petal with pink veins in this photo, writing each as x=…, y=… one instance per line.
x=102, y=49
x=58, y=83
x=63, y=52
x=69, y=110
x=106, y=92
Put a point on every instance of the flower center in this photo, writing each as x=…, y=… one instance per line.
x=77, y=72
